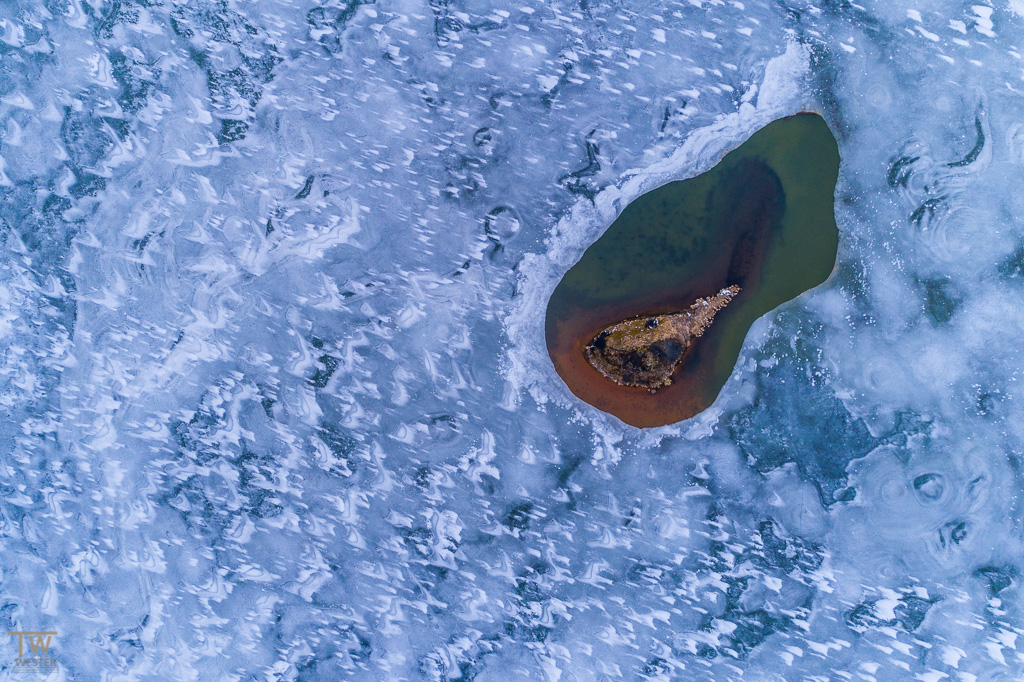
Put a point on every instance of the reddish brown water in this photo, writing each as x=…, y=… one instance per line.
x=762, y=218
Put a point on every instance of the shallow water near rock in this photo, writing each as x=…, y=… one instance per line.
x=762, y=219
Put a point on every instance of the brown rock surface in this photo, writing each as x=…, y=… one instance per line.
x=645, y=351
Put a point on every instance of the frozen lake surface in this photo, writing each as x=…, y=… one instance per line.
x=277, y=401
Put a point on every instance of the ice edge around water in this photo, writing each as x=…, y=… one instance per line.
x=527, y=365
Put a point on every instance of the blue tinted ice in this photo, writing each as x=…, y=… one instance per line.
x=276, y=400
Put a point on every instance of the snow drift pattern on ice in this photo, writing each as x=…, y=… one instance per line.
x=276, y=398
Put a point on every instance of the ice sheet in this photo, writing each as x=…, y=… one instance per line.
x=276, y=398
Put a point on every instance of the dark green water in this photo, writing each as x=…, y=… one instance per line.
x=762, y=218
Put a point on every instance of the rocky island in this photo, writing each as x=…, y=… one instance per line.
x=645, y=351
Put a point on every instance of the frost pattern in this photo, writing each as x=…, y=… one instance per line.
x=275, y=392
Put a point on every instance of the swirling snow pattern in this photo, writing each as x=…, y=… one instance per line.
x=277, y=405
